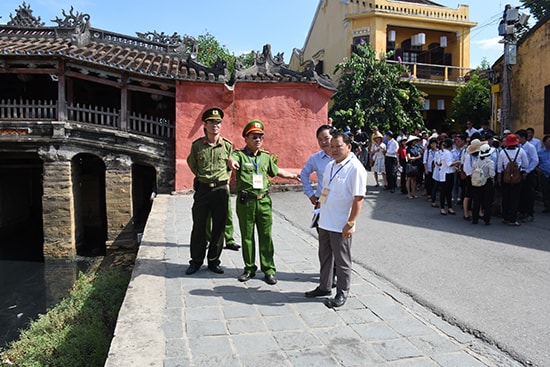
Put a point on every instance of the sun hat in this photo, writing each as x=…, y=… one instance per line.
x=377, y=134
x=412, y=138
x=511, y=140
x=484, y=150
x=474, y=146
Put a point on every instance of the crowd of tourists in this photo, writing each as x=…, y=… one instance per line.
x=473, y=172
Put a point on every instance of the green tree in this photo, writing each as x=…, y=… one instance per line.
x=373, y=92
x=473, y=100
x=210, y=51
x=538, y=8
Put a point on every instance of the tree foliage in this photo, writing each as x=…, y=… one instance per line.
x=210, y=50
x=538, y=8
x=373, y=92
x=473, y=100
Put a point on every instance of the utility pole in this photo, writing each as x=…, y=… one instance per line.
x=512, y=20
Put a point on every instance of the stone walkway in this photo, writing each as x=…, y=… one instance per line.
x=170, y=319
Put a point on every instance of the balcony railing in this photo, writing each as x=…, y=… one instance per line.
x=155, y=127
x=28, y=110
x=435, y=73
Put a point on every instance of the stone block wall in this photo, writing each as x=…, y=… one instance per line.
x=118, y=197
x=57, y=209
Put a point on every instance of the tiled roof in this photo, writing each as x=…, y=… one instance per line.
x=151, y=55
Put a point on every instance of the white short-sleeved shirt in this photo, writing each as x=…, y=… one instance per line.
x=345, y=180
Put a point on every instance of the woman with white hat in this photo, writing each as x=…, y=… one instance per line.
x=482, y=196
x=467, y=161
x=377, y=152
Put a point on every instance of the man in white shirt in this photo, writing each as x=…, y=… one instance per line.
x=531, y=139
x=470, y=129
x=391, y=161
x=344, y=186
x=527, y=196
x=317, y=163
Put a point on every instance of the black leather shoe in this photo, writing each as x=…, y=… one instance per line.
x=270, y=279
x=193, y=268
x=318, y=293
x=216, y=268
x=337, y=301
x=245, y=276
x=232, y=246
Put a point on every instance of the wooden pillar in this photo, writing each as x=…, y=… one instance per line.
x=61, y=96
x=124, y=103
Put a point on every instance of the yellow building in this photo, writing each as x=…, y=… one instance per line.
x=529, y=86
x=431, y=40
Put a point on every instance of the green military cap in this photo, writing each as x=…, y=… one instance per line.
x=214, y=113
x=254, y=126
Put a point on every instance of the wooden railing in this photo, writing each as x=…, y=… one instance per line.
x=28, y=110
x=151, y=126
x=103, y=116
x=93, y=115
x=434, y=72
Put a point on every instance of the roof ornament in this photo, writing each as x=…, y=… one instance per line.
x=184, y=45
x=267, y=60
x=80, y=22
x=24, y=18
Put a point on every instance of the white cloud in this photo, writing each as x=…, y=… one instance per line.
x=489, y=43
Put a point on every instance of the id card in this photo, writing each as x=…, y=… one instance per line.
x=324, y=195
x=257, y=181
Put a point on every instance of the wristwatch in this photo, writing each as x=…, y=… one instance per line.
x=350, y=223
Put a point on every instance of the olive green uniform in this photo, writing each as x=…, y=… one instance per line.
x=229, y=229
x=254, y=209
x=209, y=164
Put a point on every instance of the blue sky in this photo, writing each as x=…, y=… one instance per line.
x=243, y=25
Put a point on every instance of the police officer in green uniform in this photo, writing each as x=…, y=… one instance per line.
x=208, y=162
x=253, y=165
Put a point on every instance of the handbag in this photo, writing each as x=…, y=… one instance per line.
x=411, y=169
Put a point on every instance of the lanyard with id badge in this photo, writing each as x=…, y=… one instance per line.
x=257, y=178
x=326, y=190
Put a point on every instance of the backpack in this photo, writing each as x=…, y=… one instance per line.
x=511, y=174
x=478, y=175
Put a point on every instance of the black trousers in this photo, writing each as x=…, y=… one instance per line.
x=391, y=172
x=527, y=195
x=446, y=191
x=214, y=202
x=482, y=198
x=510, y=201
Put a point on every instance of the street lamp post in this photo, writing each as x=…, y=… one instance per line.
x=512, y=20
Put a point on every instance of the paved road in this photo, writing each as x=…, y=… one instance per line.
x=170, y=319
x=493, y=281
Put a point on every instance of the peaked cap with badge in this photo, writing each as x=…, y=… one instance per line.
x=214, y=113
x=254, y=126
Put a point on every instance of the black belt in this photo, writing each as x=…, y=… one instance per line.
x=213, y=184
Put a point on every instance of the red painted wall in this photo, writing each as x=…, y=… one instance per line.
x=291, y=113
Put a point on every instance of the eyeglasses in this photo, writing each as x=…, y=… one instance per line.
x=256, y=137
x=214, y=122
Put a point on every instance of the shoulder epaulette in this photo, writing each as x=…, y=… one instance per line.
x=198, y=139
x=227, y=141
